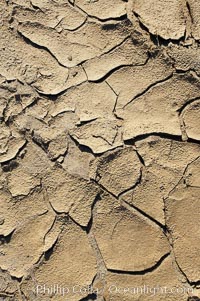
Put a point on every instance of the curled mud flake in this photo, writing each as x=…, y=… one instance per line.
x=118, y=170
x=27, y=244
x=191, y=117
x=21, y=183
x=77, y=162
x=16, y=212
x=165, y=19
x=76, y=261
x=181, y=213
x=110, y=221
x=89, y=101
x=11, y=143
x=185, y=59
x=100, y=135
x=103, y=9
x=71, y=194
x=125, y=54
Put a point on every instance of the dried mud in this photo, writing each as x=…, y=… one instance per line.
x=99, y=149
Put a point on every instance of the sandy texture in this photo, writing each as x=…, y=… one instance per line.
x=99, y=150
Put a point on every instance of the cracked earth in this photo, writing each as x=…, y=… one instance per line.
x=99, y=148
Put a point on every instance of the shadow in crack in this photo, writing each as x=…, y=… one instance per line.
x=90, y=297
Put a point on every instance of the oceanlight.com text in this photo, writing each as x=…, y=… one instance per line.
x=64, y=290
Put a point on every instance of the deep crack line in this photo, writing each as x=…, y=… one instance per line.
x=157, y=134
x=35, y=45
x=143, y=272
x=187, y=103
x=131, y=207
x=120, y=18
x=149, y=88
